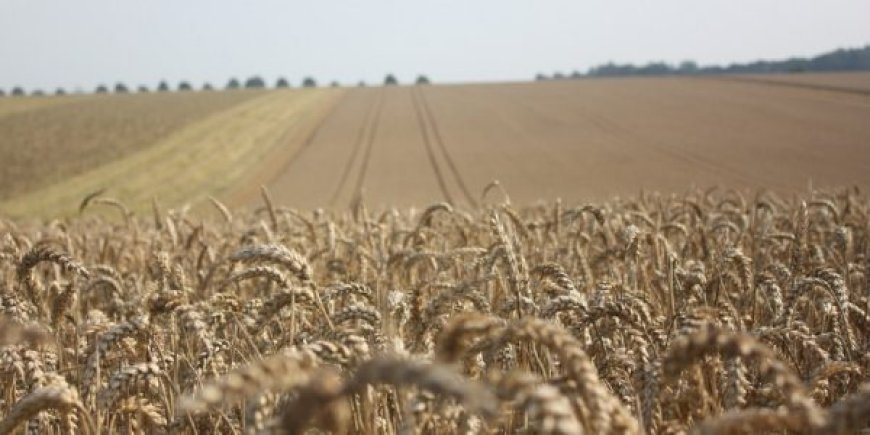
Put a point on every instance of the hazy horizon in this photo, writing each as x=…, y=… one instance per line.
x=45, y=45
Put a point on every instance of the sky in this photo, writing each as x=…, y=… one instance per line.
x=80, y=44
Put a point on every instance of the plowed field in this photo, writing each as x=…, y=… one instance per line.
x=584, y=139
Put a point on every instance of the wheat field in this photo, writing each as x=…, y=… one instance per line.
x=341, y=260
x=717, y=311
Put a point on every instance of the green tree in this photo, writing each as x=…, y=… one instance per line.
x=309, y=82
x=688, y=67
x=207, y=87
x=59, y=91
x=18, y=91
x=540, y=77
x=143, y=89
x=185, y=86
x=282, y=83
x=335, y=84
x=422, y=80
x=255, y=82
x=390, y=80
x=233, y=84
x=37, y=93
x=102, y=89
x=163, y=86
x=2, y=93
x=121, y=88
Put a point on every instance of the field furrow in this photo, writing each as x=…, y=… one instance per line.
x=445, y=151
x=427, y=143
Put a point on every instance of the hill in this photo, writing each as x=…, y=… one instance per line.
x=854, y=59
x=409, y=146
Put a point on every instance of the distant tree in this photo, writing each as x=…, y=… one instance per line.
x=102, y=89
x=558, y=76
x=121, y=88
x=309, y=82
x=233, y=84
x=207, y=87
x=17, y=91
x=688, y=67
x=59, y=91
x=361, y=83
x=390, y=80
x=142, y=89
x=422, y=80
x=163, y=86
x=282, y=83
x=576, y=75
x=185, y=86
x=540, y=77
x=37, y=93
x=856, y=59
x=2, y=93
x=334, y=84
x=255, y=83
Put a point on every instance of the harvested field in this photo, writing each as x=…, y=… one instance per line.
x=580, y=139
x=10, y=105
x=219, y=155
x=47, y=140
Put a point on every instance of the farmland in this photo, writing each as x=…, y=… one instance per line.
x=660, y=255
x=46, y=140
x=180, y=153
x=580, y=139
x=405, y=146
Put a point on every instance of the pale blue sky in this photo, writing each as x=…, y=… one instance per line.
x=45, y=44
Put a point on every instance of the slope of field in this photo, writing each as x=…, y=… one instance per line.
x=411, y=146
x=579, y=139
x=215, y=155
x=50, y=139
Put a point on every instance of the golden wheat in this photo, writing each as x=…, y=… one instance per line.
x=707, y=312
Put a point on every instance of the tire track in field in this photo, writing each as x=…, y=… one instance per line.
x=370, y=142
x=309, y=140
x=428, y=144
x=358, y=145
x=436, y=134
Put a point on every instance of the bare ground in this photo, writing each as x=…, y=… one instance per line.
x=45, y=140
x=582, y=139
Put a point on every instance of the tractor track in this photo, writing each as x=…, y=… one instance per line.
x=368, y=125
x=430, y=152
x=439, y=141
x=309, y=140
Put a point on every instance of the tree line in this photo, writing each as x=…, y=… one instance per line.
x=855, y=59
x=255, y=82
